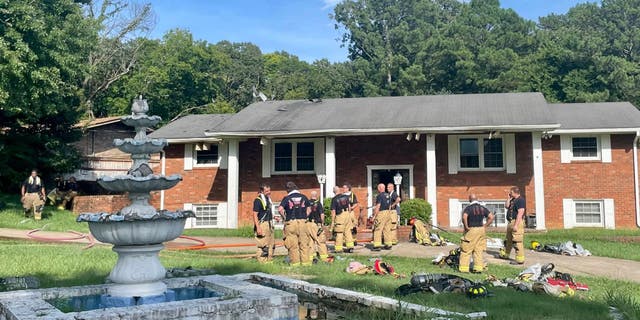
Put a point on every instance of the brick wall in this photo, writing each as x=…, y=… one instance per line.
x=590, y=180
x=107, y=203
x=198, y=186
x=487, y=185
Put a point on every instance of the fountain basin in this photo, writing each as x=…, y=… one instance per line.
x=133, y=146
x=129, y=183
x=141, y=120
x=137, y=232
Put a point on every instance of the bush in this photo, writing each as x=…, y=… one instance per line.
x=327, y=211
x=418, y=208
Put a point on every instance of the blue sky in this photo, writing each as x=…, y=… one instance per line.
x=300, y=27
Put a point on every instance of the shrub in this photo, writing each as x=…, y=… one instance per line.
x=418, y=208
x=327, y=211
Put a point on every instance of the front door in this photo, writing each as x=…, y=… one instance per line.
x=386, y=174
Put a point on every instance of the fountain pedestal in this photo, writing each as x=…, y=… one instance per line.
x=133, y=281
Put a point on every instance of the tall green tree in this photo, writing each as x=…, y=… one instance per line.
x=43, y=50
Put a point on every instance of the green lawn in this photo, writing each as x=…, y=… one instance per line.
x=69, y=264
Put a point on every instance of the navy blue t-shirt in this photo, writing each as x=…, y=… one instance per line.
x=384, y=199
x=295, y=206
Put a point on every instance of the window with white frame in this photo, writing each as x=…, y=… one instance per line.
x=294, y=156
x=588, y=213
x=206, y=215
x=479, y=153
x=496, y=207
x=205, y=154
x=585, y=148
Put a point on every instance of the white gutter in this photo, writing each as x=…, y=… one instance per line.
x=190, y=140
x=510, y=128
x=603, y=130
x=163, y=162
x=635, y=176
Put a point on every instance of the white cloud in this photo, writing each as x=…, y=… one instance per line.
x=330, y=3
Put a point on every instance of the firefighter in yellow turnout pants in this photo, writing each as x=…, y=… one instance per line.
x=382, y=220
x=262, y=225
x=315, y=228
x=33, y=195
x=341, y=223
x=474, y=240
x=393, y=215
x=354, y=210
x=295, y=209
x=516, y=206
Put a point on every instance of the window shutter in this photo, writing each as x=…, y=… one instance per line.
x=190, y=222
x=568, y=212
x=565, y=149
x=188, y=156
x=605, y=148
x=510, y=152
x=454, y=154
x=318, y=155
x=455, y=213
x=266, y=159
x=609, y=214
x=223, y=154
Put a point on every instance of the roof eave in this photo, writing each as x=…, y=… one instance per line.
x=595, y=130
x=351, y=132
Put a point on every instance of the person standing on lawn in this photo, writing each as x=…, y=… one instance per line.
x=295, y=208
x=381, y=220
x=515, y=228
x=394, y=214
x=33, y=195
x=262, y=225
x=354, y=210
x=315, y=228
x=474, y=240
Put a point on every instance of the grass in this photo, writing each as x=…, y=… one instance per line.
x=69, y=264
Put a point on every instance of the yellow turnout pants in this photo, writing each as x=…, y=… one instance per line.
x=382, y=228
x=342, y=228
x=297, y=242
x=319, y=241
x=265, y=243
x=473, y=242
x=421, y=233
x=514, y=240
x=393, y=220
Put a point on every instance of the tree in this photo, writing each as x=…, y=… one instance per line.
x=43, y=46
x=116, y=52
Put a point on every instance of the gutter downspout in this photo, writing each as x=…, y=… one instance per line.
x=163, y=166
x=635, y=176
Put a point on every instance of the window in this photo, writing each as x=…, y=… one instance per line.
x=206, y=155
x=481, y=153
x=588, y=213
x=294, y=157
x=206, y=215
x=585, y=148
x=496, y=207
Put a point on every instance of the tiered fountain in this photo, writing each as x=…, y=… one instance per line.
x=138, y=230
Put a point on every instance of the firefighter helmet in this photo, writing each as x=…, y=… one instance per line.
x=477, y=291
x=535, y=245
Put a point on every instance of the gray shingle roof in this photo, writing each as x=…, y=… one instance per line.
x=191, y=126
x=506, y=111
x=602, y=115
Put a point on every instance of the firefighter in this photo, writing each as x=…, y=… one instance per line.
x=394, y=215
x=381, y=220
x=68, y=192
x=315, y=228
x=516, y=206
x=473, y=240
x=295, y=209
x=262, y=224
x=33, y=195
x=341, y=221
x=354, y=210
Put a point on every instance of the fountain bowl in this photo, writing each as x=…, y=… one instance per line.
x=141, y=120
x=131, y=184
x=137, y=232
x=133, y=146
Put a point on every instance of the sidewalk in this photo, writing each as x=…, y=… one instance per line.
x=591, y=266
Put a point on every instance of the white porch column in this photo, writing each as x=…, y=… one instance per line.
x=431, y=177
x=538, y=179
x=233, y=178
x=330, y=164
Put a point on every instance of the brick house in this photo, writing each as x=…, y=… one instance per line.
x=576, y=164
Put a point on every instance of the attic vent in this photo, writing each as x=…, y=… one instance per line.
x=282, y=108
x=317, y=100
